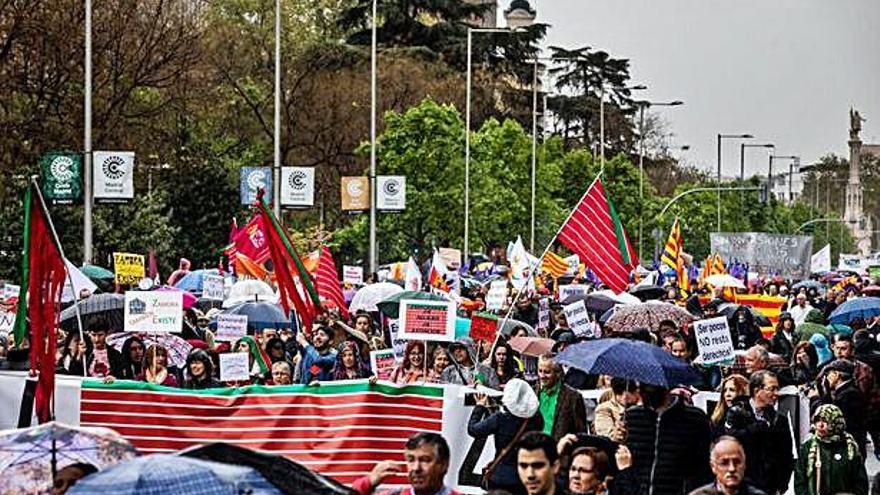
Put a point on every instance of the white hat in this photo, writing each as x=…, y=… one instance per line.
x=519, y=399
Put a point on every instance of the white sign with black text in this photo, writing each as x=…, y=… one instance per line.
x=234, y=367
x=297, y=187
x=578, y=319
x=391, y=192
x=113, y=176
x=713, y=341
x=496, y=295
x=352, y=274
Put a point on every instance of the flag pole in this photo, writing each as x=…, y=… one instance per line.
x=540, y=259
x=67, y=271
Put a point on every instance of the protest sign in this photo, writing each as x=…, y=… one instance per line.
x=851, y=262
x=234, y=367
x=786, y=255
x=484, y=327
x=383, y=363
x=496, y=296
x=572, y=290
x=212, y=287
x=231, y=327
x=427, y=320
x=820, y=262
x=578, y=319
x=153, y=311
x=128, y=268
x=574, y=263
x=10, y=291
x=713, y=341
x=544, y=314
x=353, y=274
x=7, y=321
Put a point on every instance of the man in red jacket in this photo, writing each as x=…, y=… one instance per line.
x=427, y=460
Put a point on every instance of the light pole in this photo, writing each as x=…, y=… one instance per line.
x=720, y=137
x=276, y=134
x=467, y=134
x=742, y=156
x=642, y=106
x=373, y=54
x=770, y=169
x=87, y=140
x=602, y=118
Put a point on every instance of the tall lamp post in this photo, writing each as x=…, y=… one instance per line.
x=373, y=54
x=87, y=139
x=720, y=137
x=602, y=117
x=742, y=156
x=276, y=134
x=642, y=106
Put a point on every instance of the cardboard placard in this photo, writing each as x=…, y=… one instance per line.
x=484, y=327
x=578, y=319
x=544, y=313
x=427, y=320
x=713, y=341
x=496, y=296
x=571, y=290
x=352, y=274
x=231, y=327
x=212, y=287
x=234, y=367
x=128, y=268
x=383, y=363
x=153, y=311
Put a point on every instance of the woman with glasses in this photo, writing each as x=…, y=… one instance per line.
x=412, y=369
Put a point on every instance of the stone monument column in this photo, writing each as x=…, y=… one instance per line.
x=854, y=215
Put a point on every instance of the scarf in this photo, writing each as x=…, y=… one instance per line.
x=833, y=417
x=258, y=355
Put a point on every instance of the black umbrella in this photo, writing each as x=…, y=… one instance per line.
x=595, y=303
x=288, y=476
x=109, y=307
x=728, y=310
x=648, y=292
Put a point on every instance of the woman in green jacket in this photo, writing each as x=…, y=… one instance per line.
x=829, y=461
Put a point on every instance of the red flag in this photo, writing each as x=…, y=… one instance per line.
x=250, y=241
x=596, y=235
x=327, y=281
x=43, y=276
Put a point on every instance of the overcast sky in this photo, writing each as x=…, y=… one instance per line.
x=786, y=71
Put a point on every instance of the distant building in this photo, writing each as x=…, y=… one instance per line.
x=520, y=14
x=780, y=187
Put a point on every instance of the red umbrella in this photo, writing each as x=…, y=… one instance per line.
x=189, y=300
x=871, y=290
x=532, y=346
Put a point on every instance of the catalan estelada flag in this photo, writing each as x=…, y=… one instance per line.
x=554, y=264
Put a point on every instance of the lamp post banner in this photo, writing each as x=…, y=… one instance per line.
x=113, y=176
x=766, y=254
x=62, y=177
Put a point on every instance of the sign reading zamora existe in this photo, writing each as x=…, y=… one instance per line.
x=766, y=254
x=62, y=177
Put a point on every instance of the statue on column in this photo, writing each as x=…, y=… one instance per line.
x=855, y=124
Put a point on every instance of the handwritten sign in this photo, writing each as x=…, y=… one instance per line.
x=234, y=367
x=353, y=274
x=787, y=255
x=427, y=320
x=496, y=295
x=578, y=319
x=572, y=290
x=383, y=363
x=153, y=311
x=7, y=321
x=713, y=341
x=231, y=327
x=484, y=327
x=544, y=313
x=212, y=287
x=128, y=268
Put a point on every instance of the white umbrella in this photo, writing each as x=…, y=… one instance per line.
x=369, y=296
x=724, y=280
x=80, y=281
x=249, y=291
x=622, y=298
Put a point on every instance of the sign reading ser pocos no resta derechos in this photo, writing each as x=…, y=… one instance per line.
x=714, y=341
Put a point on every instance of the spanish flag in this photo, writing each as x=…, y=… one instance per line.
x=554, y=264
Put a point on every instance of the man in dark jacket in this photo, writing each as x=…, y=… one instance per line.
x=561, y=406
x=669, y=441
x=764, y=433
x=840, y=390
x=104, y=360
x=729, y=466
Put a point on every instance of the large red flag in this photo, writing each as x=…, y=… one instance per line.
x=327, y=281
x=594, y=232
x=39, y=301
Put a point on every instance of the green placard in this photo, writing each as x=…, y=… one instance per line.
x=62, y=177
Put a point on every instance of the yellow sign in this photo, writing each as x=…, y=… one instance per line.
x=129, y=268
x=355, y=193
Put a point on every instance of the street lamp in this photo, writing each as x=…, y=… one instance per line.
x=276, y=133
x=720, y=137
x=637, y=87
x=373, y=54
x=642, y=106
x=467, y=133
x=742, y=156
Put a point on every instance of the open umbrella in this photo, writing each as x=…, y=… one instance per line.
x=809, y=284
x=871, y=290
x=630, y=359
x=647, y=315
x=594, y=302
x=29, y=457
x=728, y=309
x=724, y=280
x=165, y=473
x=369, y=296
x=859, y=307
x=286, y=475
x=648, y=292
x=177, y=347
x=391, y=306
x=261, y=315
x=194, y=280
x=531, y=346
x=507, y=327
x=249, y=291
x=110, y=307
x=95, y=272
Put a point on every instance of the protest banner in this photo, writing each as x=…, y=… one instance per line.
x=153, y=311
x=427, y=320
x=128, y=268
x=851, y=262
x=484, y=326
x=231, y=327
x=496, y=296
x=785, y=255
x=713, y=341
x=572, y=290
x=212, y=287
x=234, y=367
x=353, y=274
x=578, y=319
x=383, y=362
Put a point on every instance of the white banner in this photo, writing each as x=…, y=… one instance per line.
x=297, y=187
x=113, y=176
x=851, y=262
x=153, y=311
x=496, y=295
x=230, y=328
x=820, y=262
x=391, y=192
x=572, y=290
x=713, y=341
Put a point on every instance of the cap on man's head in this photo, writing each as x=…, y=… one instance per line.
x=841, y=366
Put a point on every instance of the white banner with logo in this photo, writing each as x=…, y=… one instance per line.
x=391, y=192
x=153, y=311
x=113, y=176
x=297, y=187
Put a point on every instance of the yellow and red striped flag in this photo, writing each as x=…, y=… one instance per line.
x=673, y=247
x=554, y=264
